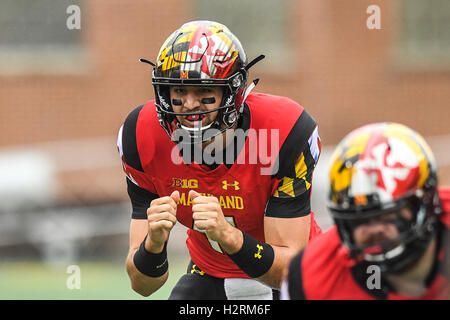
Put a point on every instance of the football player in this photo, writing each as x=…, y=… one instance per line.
x=234, y=167
x=392, y=223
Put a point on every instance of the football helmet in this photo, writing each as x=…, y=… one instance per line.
x=378, y=171
x=201, y=53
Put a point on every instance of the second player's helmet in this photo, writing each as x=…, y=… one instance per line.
x=377, y=170
x=201, y=53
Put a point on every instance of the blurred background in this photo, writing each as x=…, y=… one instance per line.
x=66, y=86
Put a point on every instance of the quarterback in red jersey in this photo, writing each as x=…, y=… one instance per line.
x=234, y=167
x=392, y=220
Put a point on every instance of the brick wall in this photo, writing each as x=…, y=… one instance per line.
x=343, y=74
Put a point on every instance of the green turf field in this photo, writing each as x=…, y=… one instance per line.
x=98, y=280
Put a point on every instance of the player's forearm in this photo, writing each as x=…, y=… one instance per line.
x=232, y=240
x=263, y=261
x=282, y=257
x=275, y=275
x=286, y=237
x=142, y=284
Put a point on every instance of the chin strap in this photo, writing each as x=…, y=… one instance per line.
x=148, y=62
x=254, y=61
x=247, y=92
x=254, y=82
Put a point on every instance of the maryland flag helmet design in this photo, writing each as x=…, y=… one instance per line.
x=201, y=53
x=376, y=170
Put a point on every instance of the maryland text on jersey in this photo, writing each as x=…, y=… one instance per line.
x=225, y=201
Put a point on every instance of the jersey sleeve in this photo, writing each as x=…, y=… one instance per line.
x=298, y=158
x=139, y=188
x=140, y=200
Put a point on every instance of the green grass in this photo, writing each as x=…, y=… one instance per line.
x=99, y=280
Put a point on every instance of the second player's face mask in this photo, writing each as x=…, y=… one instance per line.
x=383, y=195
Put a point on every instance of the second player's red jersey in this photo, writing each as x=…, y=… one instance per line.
x=325, y=268
x=242, y=190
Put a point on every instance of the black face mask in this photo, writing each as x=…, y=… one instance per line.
x=392, y=255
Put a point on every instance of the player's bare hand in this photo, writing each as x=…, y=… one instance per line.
x=161, y=217
x=208, y=216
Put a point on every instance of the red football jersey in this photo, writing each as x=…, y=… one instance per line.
x=242, y=190
x=325, y=268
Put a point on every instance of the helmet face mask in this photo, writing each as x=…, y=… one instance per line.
x=201, y=53
x=383, y=195
x=227, y=114
x=403, y=233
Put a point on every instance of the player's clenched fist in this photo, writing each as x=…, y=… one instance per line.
x=208, y=216
x=161, y=217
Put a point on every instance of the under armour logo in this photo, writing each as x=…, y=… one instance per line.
x=258, y=254
x=194, y=270
x=225, y=185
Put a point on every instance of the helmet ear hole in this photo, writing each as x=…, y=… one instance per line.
x=237, y=81
x=230, y=118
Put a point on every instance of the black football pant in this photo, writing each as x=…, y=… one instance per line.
x=197, y=285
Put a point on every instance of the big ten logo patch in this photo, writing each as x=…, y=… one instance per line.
x=184, y=183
